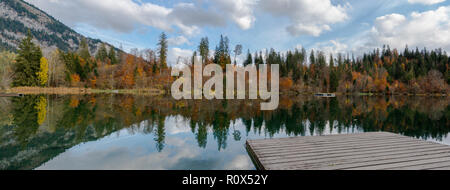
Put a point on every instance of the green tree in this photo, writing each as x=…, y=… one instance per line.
x=112, y=56
x=203, y=48
x=83, y=50
x=163, y=46
x=249, y=59
x=102, y=53
x=222, y=54
x=334, y=81
x=27, y=63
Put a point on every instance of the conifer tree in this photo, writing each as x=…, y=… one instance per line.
x=83, y=50
x=102, y=53
x=249, y=59
x=163, y=46
x=27, y=64
x=112, y=56
x=204, y=49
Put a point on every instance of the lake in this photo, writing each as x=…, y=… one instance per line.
x=137, y=132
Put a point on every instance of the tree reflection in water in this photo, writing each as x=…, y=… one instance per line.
x=34, y=129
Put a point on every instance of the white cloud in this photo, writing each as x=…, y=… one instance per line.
x=308, y=17
x=429, y=29
x=119, y=15
x=240, y=162
x=240, y=11
x=188, y=18
x=177, y=41
x=178, y=53
x=332, y=47
x=126, y=15
x=426, y=2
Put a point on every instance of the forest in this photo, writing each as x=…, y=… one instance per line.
x=382, y=71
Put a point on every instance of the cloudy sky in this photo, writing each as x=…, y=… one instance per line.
x=346, y=26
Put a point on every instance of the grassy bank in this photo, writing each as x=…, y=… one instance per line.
x=288, y=93
x=77, y=91
x=158, y=92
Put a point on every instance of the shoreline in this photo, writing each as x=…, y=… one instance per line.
x=158, y=92
x=81, y=91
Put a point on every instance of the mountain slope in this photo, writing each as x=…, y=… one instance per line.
x=18, y=17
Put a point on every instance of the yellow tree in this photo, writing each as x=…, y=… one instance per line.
x=41, y=108
x=43, y=72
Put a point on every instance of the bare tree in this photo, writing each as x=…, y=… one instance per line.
x=6, y=69
x=237, y=52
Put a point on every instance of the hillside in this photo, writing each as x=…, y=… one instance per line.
x=18, y=17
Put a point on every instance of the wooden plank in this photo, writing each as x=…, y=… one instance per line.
x=282, y=150
x=378, y=163
x=327, y=142
x=349, y=155
x=326, y=137
x=322, y=138
x=317, y=152
x=363, y=151
x=428, y=166
x=405, y=163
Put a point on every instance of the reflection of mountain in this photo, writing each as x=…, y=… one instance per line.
x=39, y=149
x=41, y=128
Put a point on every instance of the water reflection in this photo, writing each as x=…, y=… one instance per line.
x=136, y=132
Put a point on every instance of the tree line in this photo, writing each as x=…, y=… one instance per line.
x=107, y=69
x=382, y=71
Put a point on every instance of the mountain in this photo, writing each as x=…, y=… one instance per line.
x=17, y=17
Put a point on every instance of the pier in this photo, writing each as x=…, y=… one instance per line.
x=364, y=151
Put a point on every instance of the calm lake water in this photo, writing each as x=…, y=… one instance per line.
x=138, y=132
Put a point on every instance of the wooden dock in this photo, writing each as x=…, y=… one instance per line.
x=365, y=151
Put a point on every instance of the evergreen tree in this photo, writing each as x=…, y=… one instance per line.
x=334, y=81
x=112, y=56
x=203, y=49
x=83, y=50
x=312, y=58
x=163, y=46
x=102, y=53
x=27, y=64
x=249, y=59
x=222, y=54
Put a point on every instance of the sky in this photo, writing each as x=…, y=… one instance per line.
x=332, y=26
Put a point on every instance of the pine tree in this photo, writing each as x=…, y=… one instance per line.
x=163, y=50
x=334, y=81
x=112, y=56
x=102, y=53
x=27, y=63
x=203, y=48
x=249, y=59
x=222, y=54
x=83, y=50
x=312, y=58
